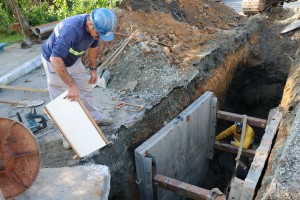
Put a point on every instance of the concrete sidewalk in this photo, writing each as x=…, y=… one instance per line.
x=16, y=62
x=79, y=182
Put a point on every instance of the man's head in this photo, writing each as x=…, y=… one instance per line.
x=103, y=22
x=239, y=127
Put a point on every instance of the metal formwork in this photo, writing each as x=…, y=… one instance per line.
x=180, y=150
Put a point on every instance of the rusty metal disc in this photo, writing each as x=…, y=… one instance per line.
x=19, y=157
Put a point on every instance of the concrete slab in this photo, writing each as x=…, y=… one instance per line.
x=69, y=183
x=15, y=62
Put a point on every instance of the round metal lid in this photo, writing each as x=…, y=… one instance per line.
x=19, y=157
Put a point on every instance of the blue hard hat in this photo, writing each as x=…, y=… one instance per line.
x=104, y=21
x=239, y=124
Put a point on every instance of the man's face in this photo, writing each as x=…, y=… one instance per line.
x=238, y=129
x=93, y=31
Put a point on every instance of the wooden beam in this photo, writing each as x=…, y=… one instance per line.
x=8, y=87
x=183, y=188
x=233, y=149
x=252, y=121
x=261, y=157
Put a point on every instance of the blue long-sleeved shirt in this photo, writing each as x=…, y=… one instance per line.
x=69, y=40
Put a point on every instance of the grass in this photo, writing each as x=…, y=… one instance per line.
x=11, y=39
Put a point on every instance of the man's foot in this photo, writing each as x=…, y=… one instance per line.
x=66, y=144
x=105, y=121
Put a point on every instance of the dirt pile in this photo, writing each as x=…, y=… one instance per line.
x=172, y=36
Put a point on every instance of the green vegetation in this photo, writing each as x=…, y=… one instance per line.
x=45, y=11
x=11, y=39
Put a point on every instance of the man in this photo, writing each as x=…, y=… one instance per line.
x=236, y=131
x=61, y=57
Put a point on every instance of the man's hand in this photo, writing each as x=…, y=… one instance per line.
x=94, y=77
x=73, y=93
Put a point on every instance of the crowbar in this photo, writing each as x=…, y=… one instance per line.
x=123, y=103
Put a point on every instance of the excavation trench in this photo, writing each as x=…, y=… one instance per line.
x=242, y=89
x=254, y=91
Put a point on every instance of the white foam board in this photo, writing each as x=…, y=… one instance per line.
x=76, y=124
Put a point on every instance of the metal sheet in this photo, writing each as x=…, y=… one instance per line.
x=148, y=177
x=294, y=25
x=213, y=125
x=19, y=157
x=181, y=147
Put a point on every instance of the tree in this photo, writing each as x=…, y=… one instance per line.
x=28, y=38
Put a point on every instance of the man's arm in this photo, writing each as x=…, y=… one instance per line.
x=249, y=135
x=226, y=133
x=61, y=70
x=92, y=56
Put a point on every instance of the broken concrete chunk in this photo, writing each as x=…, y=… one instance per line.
x=155, y=38
x=153, y=44
x=176, y=61
x=161, y=38
x=167, y=51
x=209, y=30
x=131, y=86
x=172, y=37
x=69, y=183
x=176, y=49
x=144, y=48
x=205, y=5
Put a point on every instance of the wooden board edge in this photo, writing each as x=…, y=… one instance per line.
x=93, y=121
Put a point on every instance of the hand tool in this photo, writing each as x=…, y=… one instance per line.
x=34, y=121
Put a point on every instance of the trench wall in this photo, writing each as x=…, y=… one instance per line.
x=216, y=70
x=281, y=179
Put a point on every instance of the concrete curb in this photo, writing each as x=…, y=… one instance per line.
x=21, y=70
x=85, y=182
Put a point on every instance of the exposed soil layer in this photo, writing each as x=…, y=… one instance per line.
x=182, y=49
x=253, y=91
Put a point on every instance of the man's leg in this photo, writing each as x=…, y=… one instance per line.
x=78, y=72
x=79, y=75
x=55, y=85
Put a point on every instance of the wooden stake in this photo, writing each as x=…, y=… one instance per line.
x=113, y=56
x=23, y=89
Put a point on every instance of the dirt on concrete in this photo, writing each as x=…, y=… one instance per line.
x=173, y=37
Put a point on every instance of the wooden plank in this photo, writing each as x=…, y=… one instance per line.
x=233, y=149
x=252, y=121
x=76, y=124
x=236, y=189
x=260, y=158
x=114, y=55
x=183, y=188
x=8, y=87
x=241, y=141
x=236, y=184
